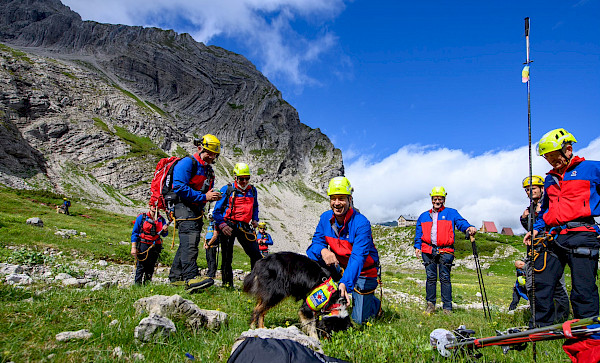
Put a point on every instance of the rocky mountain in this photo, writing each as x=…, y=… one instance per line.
x=87, y=109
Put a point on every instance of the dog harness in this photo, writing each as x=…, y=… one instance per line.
x=320, y=295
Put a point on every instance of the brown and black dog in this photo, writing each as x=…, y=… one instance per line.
x=287, y=274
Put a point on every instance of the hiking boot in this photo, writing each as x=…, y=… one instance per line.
x=430, y=308
x=447, y=311
x=196, y=284
x=178, y=283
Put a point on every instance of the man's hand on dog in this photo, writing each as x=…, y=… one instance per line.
x=329, y=257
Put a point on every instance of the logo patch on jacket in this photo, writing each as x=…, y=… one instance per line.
x=574, y=173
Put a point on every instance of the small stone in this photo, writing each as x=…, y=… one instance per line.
x=82, y=334
x=83, y=234
x=102, y=263
x=63, y=276
x=117, y=352
x=478, y=294
x=113, y=323
x=35, y=221
x=138, y=356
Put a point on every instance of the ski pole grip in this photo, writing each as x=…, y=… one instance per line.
x=527, y=26
x=469, y=237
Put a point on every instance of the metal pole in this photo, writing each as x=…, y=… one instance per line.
x=532, y=207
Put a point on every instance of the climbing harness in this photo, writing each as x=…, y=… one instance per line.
x=540, y=245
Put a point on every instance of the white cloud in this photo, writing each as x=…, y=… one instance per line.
x=483, y=187
x=265, y=27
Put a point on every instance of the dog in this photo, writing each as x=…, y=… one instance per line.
x=287, y=274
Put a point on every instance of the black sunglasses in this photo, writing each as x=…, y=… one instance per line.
x=243, y=178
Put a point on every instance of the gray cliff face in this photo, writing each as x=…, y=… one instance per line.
x=198, y=89
x=87, y=109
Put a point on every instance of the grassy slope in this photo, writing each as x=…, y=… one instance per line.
x=27, y=328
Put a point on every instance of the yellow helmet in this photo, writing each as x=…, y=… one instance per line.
x=438, y=192
x=554, y=140
x=241, y=169
x=210, y=143
x=262, y=225
x=537, y=180
x=339, y=185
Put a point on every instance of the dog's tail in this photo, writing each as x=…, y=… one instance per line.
x=249, y=283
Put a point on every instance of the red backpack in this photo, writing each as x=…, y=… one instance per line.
x=162, y=182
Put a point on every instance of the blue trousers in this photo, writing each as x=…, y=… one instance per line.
x=438, y=264
x=364, y=307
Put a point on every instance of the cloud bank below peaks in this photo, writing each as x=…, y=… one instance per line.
x=483, y=187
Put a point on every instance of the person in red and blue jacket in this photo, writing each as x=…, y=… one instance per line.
x=264, y=239
x=146, y=243
x=193, y=180
x=343, y=237
x=434, y=242
x=571, y=201
x=236, y=215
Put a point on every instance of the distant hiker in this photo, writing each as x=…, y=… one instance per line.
x=236, y=215
x=193, y=192
x=520, y=288
x=146, y=243
x=570, y=201
x=64, y=208
x=264, y=239
x=434, y=242
x=561, y=297
x=343, y=238
x=211, y=243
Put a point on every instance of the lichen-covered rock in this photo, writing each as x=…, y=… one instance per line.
x=175, y=306
x=154, y=328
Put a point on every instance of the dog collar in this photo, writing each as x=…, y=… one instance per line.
x=320, y=296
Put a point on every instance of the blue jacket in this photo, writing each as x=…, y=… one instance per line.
x=447, y=220
x=187, y=186
x=245, y=202
x=352, y=244
x=267, y=237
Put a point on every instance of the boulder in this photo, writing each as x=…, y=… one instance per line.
x=18, y=279
x=291, y=333
x=174, y=306
x=154, y=328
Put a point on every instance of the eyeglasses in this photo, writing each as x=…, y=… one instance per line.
x=243, y=178
x=437, y=199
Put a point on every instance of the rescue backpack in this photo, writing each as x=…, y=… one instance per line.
x=162, y=182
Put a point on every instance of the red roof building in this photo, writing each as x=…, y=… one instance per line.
x=507, y=231
x=489, y=227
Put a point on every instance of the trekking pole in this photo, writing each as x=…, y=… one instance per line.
x=484, y=300
x=525, y=79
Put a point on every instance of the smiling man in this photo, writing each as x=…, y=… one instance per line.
x=343, y=238
x=193, y=179
x=570, y=202
x=236, y=214
x=434, y=242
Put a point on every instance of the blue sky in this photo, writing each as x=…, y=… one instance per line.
x=389, y=81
